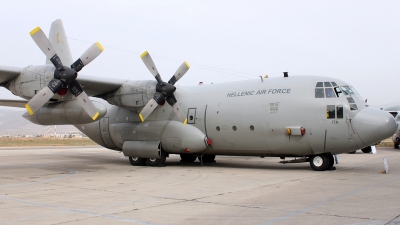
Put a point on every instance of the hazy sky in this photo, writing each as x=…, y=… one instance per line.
x=356, y=41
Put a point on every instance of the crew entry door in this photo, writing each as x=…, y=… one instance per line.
x=335, y=128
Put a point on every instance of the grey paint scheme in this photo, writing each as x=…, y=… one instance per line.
x=59, y=41
x=241, y=118
x=25, y=82
x=211, y=107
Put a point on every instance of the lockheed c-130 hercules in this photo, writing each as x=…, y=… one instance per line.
x=310, y=118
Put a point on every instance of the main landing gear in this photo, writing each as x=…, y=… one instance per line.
x=136, y=161
x=188, y=158
x=322, y=162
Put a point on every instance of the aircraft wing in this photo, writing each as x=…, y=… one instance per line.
x=98, y=86
x=93, y=85
x=8, y=73
x=13, y=103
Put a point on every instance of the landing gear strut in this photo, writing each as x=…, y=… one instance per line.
x=207, y=158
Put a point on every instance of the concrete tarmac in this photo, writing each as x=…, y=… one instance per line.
x=93, y=185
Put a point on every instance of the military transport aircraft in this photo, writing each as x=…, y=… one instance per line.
x=310, y=118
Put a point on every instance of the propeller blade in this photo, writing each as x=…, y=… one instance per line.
x=43, y=96
x=148, y=109
x=44, y=44
x=91, y=53
x=179, y=113
x=76, y=89
x=148, y=61
x=179, y=73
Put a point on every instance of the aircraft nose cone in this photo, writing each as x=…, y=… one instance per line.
x=373, y=125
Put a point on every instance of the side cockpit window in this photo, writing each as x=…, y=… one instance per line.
x=330, y=112
x=333, y=111
x=353, y=105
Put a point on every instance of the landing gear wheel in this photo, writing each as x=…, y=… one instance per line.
x=319, y=162
x=396, y=145
x=188, y=158
x=331, y=161
x=207, y=158
x=367, y=149
x=157, y=162
x=136, y=161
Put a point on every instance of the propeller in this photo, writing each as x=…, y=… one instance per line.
x=164, y=91
x=64, y=77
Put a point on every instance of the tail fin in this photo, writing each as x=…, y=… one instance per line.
x=58, y=39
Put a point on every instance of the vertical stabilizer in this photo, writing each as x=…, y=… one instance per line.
x=58, y=39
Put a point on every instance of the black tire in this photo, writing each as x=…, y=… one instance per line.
x=207, y=158
x=157, y=162
x=367, y=149
x=396, y=145
x=331, y=161
x=352, y=152
x=188, y=158
x=319, y=162
x=136, y=161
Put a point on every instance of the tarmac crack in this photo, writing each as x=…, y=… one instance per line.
x=81, y=211
x=343, y=196
x=394, y=221
x=341, y=216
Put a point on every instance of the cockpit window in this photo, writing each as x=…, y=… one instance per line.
x=353, y=107
x=350, y=100
x=330, y=93
x=348, y=90
x=353, y=89
x=339, y=111
x=319, y=93
x=334, y=84
x=330, y=111
x=325, y=90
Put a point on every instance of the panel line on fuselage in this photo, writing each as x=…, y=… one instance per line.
x=205, y=120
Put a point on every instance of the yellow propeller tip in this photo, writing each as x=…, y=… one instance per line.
x=34, y=31
x=100, y=46
x=29, y=109
x=144, y=54
x=187, y=64
x=95, y=116
x=185, y=122
x=141, y=117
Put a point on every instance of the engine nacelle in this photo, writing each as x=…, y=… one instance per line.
x=133, y=95
x=62, y=113
x=32, y=80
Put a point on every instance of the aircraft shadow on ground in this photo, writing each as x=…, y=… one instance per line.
x=241, y=165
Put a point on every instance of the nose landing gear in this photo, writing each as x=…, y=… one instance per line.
x=322, y=162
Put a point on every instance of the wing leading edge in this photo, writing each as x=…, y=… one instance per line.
x=8, y=73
